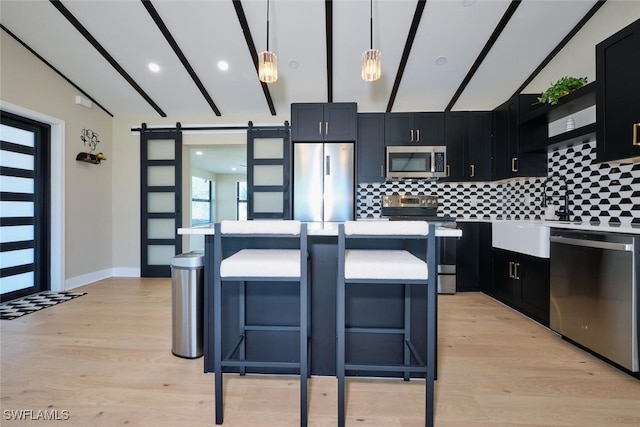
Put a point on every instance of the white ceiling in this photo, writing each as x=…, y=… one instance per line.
x=209, y=31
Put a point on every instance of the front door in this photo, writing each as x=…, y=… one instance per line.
x=24, y=206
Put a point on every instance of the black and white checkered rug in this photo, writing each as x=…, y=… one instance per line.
x=21, y=306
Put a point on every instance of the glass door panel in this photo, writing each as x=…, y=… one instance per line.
x=160, y=181
x=268, y=160
x=24, y=207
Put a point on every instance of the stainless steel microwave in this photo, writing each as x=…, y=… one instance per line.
x=416, y=161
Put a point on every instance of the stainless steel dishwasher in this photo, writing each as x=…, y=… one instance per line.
x=594, y=292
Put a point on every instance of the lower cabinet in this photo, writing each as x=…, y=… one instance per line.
x=473, y=260
x=522, y=282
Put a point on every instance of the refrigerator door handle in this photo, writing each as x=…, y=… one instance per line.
x=327, y=168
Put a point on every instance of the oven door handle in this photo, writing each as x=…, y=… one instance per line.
x=626, y=247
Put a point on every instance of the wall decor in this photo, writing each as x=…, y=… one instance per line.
x=90, y=139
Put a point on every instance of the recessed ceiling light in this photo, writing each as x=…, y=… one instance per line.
x=294, y=64
x=441, y=60
x=154, y=67
x=233, y=169
x=199, y=153
x=223, y=65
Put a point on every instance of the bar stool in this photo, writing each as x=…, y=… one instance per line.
x=260, y=251
x=390, y=263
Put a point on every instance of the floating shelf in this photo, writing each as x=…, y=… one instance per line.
x=534, y=124
x=568, y=104
x=89, y=158
x=576, y=136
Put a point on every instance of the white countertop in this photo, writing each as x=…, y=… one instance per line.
x=586, y=226
x=320, y=229
x=331, y=228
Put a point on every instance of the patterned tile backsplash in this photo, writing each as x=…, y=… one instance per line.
x=604, y=192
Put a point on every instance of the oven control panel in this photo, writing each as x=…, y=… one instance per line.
x=409, y=201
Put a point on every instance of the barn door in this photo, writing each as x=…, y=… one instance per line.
x=160, y=203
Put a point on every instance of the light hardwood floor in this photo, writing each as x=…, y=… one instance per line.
x=105, y=358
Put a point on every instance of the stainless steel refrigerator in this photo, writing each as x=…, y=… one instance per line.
x=323, y=181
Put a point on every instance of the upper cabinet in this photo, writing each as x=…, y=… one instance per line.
x=324, y=122
x=510, y=159
x=468, y=141
x=618, y=95
x=414, y=129
x=370, y=151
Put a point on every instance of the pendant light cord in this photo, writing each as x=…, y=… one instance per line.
x=267, y=25
x=371, y=24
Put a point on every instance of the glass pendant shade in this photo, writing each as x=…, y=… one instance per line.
x=267, y=67
x=371, y=65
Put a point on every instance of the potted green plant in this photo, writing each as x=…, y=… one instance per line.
x=562, y=87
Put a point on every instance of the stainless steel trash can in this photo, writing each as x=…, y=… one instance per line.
x=187, y=304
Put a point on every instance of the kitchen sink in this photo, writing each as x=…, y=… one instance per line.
x=523, y=237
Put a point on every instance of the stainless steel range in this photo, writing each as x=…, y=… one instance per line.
x=413, y=207
x=425, y=208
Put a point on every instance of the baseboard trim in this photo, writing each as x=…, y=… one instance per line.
x=85, y=279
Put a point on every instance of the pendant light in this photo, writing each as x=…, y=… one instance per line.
x=267, y=61
x=371, y=66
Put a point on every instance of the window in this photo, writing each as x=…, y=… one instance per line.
x=241, y=191
x=202, y=201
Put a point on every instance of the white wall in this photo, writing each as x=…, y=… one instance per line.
x=87, y=240
x=226, y=195
x=578, y=58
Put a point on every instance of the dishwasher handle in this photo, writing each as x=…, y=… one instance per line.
x=626, y=247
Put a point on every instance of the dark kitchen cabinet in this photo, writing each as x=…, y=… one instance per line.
x=370, y=149
x=414, y=129
x=473, y=260
x=468, y=141
x=324, y=122
x=510, y=160
x=618, y=95
x=522, y=282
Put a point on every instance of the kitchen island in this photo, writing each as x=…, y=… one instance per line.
x=370, y=305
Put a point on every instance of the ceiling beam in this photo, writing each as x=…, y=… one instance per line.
x=328, y=13
x=185, y=62
x=6, y=30
x=562, y=44
x=485, y=51
x=78, y=26
x=242, y=18
x=405, y=53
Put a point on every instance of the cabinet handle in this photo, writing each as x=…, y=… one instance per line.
x=319, y=128
x=635, y=134
x=511, y=269
x=326, y=128
x=514, y=168
x=418, y=135
x=473, y=170
x=516, y=274
x=411, y=135
x=381, y=170
x=448, y=170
